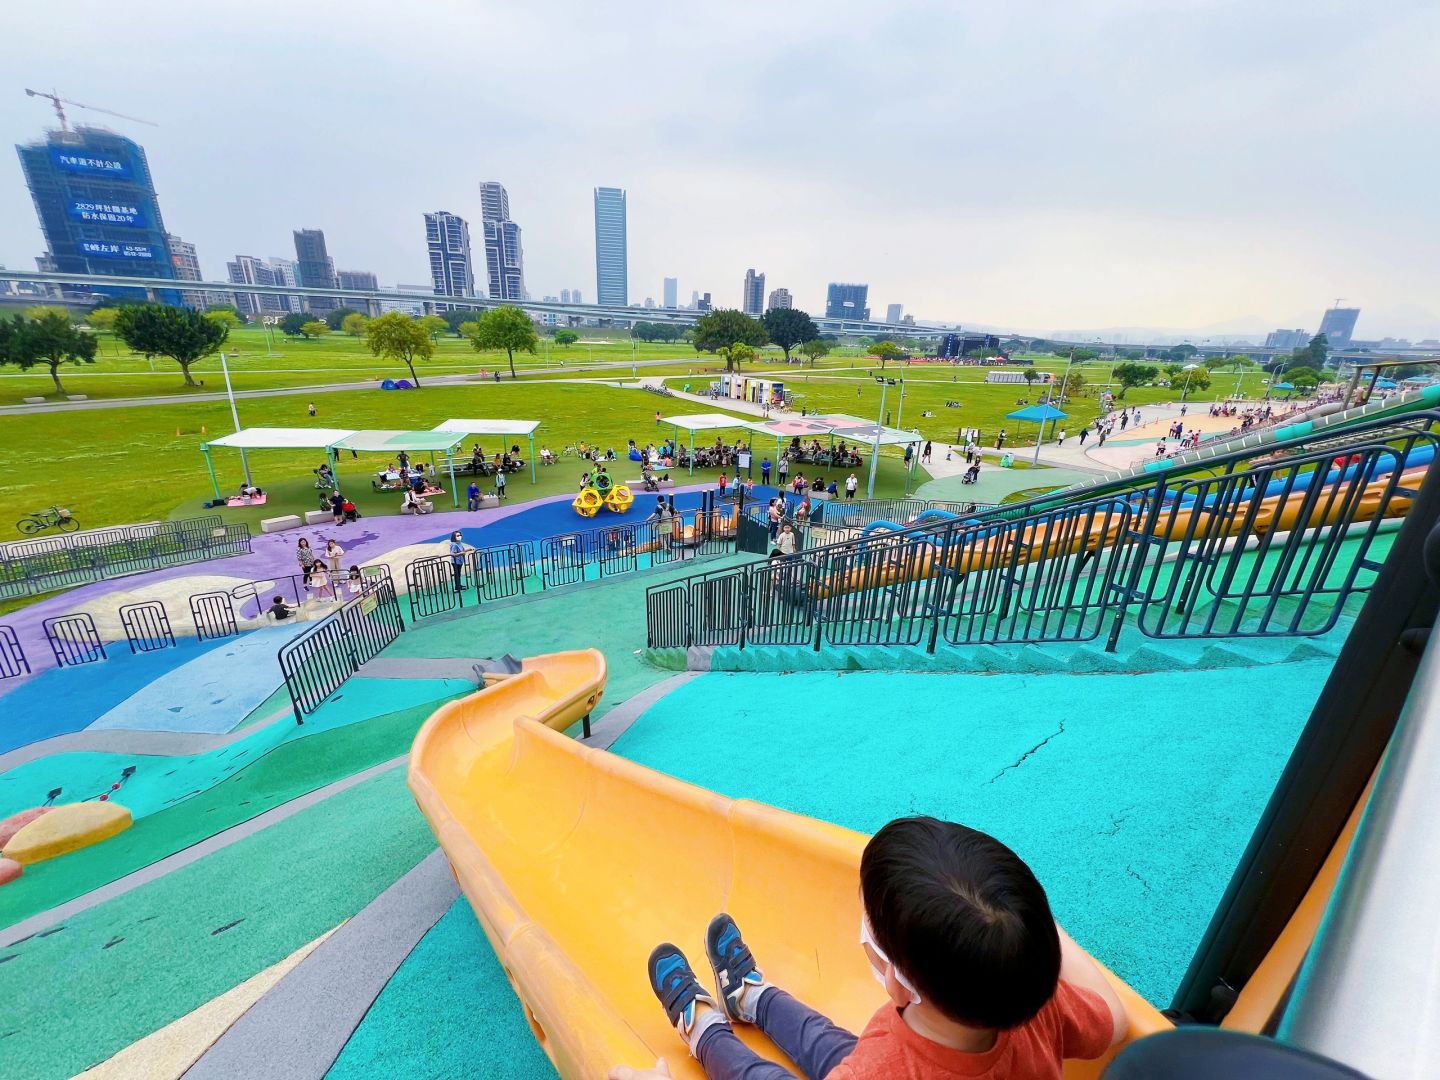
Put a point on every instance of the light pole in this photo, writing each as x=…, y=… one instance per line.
x=1189, y=370
x=900, y=412
x=885, y=385
x=234, y=415
x=1066, y=379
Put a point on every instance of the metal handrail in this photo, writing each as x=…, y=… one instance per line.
x=1035, y=561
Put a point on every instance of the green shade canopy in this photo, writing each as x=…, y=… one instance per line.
x=389, y=442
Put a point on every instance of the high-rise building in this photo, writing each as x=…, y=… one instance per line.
x=1338, y=326
x=187, y=268
x=649, y=302
x=248, y=270
x=672, y=292
x=287, y=272
x=564, y=296
x=1287, y=339
x=779, y=298
x=316, y=268
x=362, y=281
x=703, y=303
x=98, y=211
x=447, y=238
x=504, y=259
x=753, y=296
x=844, y=301
x=893, y=313
x=575, y=297
x=611, y=258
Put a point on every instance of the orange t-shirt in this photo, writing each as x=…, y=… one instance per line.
x=1075, y=1023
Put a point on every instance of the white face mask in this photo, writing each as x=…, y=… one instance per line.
x=867, y=937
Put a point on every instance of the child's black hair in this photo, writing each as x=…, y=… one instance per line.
x=963, y=918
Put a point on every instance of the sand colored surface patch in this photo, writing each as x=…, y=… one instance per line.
x=66, y=829
x=166, y=1054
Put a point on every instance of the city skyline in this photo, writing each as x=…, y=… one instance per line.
x=1049, y=218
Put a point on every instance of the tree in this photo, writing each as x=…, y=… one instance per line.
x=1191, y=381
x=1314, y=355
x=433, y=325
x=239, y=315
x=221, y=317
x=396, y=336
x=884, y=350
x=48, y=340
x=1174, y=371
x=726, y=327
x=1072, y=383
x=1130, y=374
x=290, y=325
x=39, y=311
x=814, y=349
x=789, y=327
x=335, y=319
x=354, y=324
x=735, y=355
x=179, y=333
x=1029, y=375
x=506, y=328
x=102, y=319
x=1181, y=354
x=1238, y=361
x=315, y=328
x=1303, y=378
x=566, y=337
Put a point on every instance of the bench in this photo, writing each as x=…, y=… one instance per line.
x=318, y=517
x=78, y=397
x=33, y=400
x=280, y=524
x=659, y=478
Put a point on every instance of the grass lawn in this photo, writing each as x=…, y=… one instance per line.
x=127, y=464
x=843, y=388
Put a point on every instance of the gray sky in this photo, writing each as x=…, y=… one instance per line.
x=1201, y=165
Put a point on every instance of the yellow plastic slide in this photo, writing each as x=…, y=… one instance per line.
x=578, y=862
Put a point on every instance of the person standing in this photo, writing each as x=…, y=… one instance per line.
x=773, y=514
x=500, y=484
x=783, y=470
x=724, y=483
x=305, y=557
x=404, y=460
x=1061, y=440
x=657, y=417
x=925, y=457
x=333, y=553
x=785, y=542
x=457, y=560
x=765, y=471
x=852, y=484
x=1000, y=440
x=337, y=508
x=320, y=582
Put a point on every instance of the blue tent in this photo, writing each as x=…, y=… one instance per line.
x=1386, y=384
x=1037, y=414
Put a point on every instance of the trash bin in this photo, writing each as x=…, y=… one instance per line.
x=1007, y=461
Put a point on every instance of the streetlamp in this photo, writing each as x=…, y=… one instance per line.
x=1189, y=370
x=885, y=385
x=234, y=415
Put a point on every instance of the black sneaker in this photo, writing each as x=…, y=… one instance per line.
x=675, y=984
x=736, y=976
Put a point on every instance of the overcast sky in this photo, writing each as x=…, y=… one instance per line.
x=1066, y=164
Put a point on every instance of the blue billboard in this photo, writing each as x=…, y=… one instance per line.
x=108, y=212
x=90, y=163
x=106, y=249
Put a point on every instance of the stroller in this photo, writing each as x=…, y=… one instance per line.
x=648, y=479
x=971, y=475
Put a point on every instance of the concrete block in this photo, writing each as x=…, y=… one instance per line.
x=33, y=400
x=318, y=517
x=279, y=524
x=78, y=397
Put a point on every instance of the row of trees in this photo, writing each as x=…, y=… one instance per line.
x=398, y=337
x=735, y=336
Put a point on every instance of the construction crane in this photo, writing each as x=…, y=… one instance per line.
x=57, y=101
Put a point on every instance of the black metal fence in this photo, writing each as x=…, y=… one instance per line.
x=28, y=567
x=440, y=583
x=147, y=626
x=73, y=639
x=13, y=663
x=318, y=661
x=1256, y=546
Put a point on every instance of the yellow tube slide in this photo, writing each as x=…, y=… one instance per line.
x=578, y=862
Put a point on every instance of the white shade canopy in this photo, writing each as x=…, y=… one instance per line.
x=275, y=438
x=388, y=442
x=704, y=421
x=489, y=427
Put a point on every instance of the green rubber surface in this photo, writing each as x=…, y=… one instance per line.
x=115, y=973
x=334, y=743
x=449, y=1011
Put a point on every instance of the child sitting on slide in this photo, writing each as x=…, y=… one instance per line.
x=981, y=981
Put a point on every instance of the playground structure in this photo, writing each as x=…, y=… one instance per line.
x=542, y=875
x=602, y=491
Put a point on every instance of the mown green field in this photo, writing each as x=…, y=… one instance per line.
x=126, y=463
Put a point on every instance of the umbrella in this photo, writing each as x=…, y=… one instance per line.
x=1037, y=414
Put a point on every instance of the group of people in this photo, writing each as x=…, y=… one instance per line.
x=323, y=577
x=838, y=456
x=500, y=463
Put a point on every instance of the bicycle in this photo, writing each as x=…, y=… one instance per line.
x=57, y=517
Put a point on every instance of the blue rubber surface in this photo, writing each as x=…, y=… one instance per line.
x=64, y=700
x=211, y=693
x=1131, y=797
